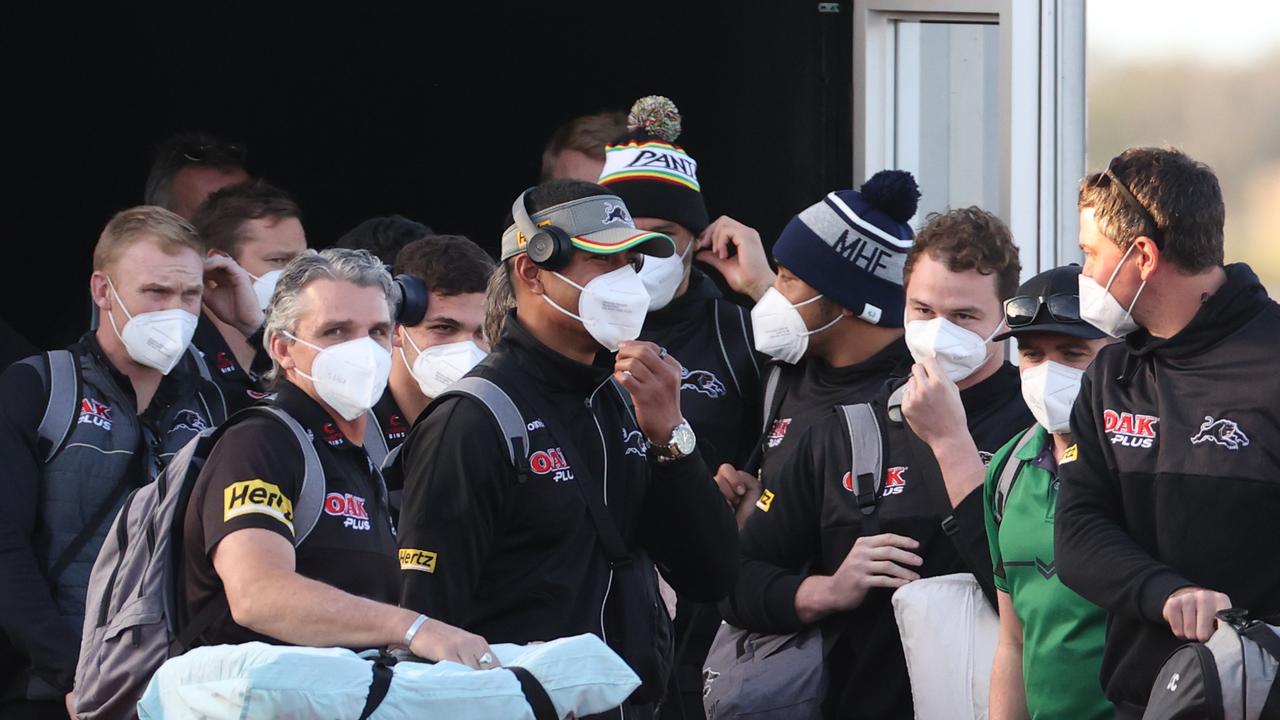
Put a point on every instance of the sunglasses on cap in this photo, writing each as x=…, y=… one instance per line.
x=1122, y=188
x=1021, y=311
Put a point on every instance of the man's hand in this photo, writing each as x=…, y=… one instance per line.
x=1191, y=612
x=740, y=490
x=931, y=406
x=228, y=291
x=71, y=705
x=872, y=562
x=653, y=379
x=439, y=642
x=747, y=271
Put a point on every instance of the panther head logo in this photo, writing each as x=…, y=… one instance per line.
x=615, y=213
x=702, y=381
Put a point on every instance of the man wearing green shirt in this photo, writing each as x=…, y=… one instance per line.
x=1050, y=647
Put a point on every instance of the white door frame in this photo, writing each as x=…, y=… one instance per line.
x=1041, y=109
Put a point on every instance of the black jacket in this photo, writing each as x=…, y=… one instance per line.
x=109, y=449
x=720, y=392
x=813, y=521
x=1176, y=480
x=519, y=561
x=240, y=386
x=807, y=392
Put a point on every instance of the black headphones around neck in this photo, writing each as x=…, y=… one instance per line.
x=548, y=246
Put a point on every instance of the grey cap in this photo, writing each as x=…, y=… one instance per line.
x=600, y=224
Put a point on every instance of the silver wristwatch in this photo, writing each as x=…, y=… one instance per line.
x=682, y=443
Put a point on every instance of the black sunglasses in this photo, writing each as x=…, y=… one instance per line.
x=1021, y=311
x=1132, y=201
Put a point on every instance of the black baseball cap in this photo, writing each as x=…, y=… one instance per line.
x=1048, y=303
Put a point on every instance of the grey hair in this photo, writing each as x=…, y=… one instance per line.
x=499, y=298
x=358, y=267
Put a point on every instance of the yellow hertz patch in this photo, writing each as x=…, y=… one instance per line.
x=257, y=496
x=765, y=501
x=420, y=560
x=1070, y=454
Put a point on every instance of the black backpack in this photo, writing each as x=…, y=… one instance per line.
x=1231, y=677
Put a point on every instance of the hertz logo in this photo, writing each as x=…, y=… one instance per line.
x=257, y=496
x=420, y=560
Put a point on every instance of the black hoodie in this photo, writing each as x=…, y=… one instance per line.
x=517, y=559
x=1176, y=477
x=720, y=394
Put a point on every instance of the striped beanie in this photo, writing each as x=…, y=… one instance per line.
x=851, y=246
x=655, y=177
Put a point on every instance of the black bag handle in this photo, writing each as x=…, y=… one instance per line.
x=534, y=693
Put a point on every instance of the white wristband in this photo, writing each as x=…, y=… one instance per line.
x=413, y=630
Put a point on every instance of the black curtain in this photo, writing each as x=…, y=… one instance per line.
x=439, y=113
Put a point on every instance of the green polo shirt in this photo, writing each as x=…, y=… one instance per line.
x=1062, y=633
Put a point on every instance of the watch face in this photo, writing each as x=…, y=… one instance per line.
x=683, y=438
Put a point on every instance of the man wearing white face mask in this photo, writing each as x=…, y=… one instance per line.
x=258, y=226
x=721, y=371
x=329, y=334
x=513, y=537
x=80, y=428
x=831, y=318
x=1050, y=647
x=439, y=348
x=1168, y=512
x=830, y=551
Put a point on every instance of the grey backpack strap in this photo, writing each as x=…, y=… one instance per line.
x=201, y=366
x=895, y=403
x=770, y=394
x=306, y=511
x=503, y=408
x=375, y=443
x=62, y=383
x=866, y=463
x=1009, y=474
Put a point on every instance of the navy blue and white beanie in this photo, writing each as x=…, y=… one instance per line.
x=851, y=246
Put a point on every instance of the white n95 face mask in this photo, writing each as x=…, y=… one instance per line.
x=779, y=328
x=958, y=351
x=1099, y=307
x=1050, y=390
x=440, y=366
x=349, y=376
x=155, y=339
x=612, y=306
x=662, y=277
x=264, y=286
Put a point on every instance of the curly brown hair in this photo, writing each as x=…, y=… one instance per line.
x=969, y=239
x=1179, y=195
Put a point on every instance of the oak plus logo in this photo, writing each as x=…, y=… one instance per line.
x=95, y=413
x=551, y=462
x=348, y=507
x=1128, y=429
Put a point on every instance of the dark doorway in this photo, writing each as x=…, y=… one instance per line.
x=437, y=112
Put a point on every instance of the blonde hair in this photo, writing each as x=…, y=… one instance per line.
x=142, y=223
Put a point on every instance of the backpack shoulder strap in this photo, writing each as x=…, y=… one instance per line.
x=61, y=382
x=504, y=411
x=866, y=462
x=201, y=366
x=1009, y=473
x=895, y=403
x=375, y=443
x=770, y=396
x=306, y=511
